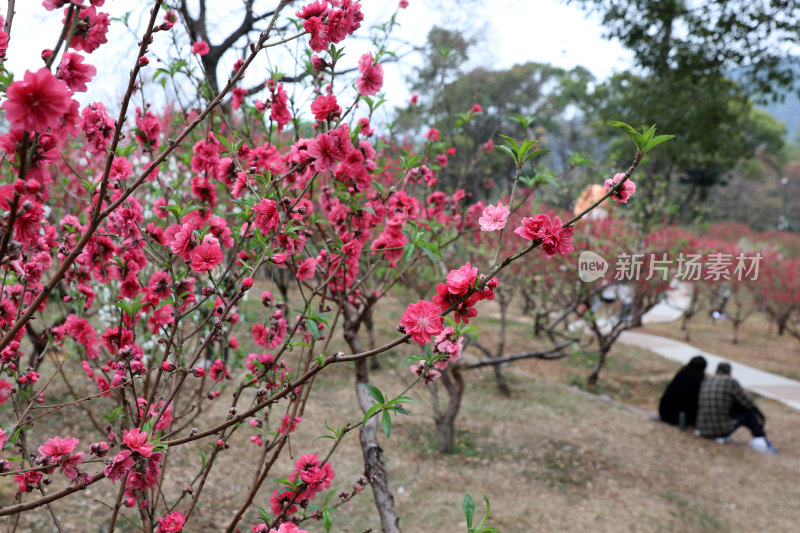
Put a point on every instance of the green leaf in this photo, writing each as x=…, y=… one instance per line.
x=655, y=141
x=536, y=153
x=323, y=318
x=468, y=329
x=386, y=422
x=408, y=252
x=430, y=248
x=523, y=120
x=327, y=521
x=224, y=141
x=313, y=328
x=578, y=160
x=469, y=510
x=486, y=515
x=430, y=254
x=371, y=412
x=375, y=393
x=403, y=399
x=125, y=151
x=288, y=483
x=638, y=140
x=511, y=141
x=413, y=359
x=617, y=124
x=507, y=150
x=264, y=514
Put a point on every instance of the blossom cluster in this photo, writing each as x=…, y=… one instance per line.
x=423, y=320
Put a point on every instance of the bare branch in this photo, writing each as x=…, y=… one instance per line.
x=553, y=353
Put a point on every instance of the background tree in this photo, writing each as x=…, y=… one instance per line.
x=697, y=65
x=533, y=100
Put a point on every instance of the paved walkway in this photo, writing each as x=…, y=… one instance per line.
x=773, y=386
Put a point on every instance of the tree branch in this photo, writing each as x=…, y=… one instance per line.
x=553, y=353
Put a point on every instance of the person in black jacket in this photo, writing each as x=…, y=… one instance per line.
x=682, y=393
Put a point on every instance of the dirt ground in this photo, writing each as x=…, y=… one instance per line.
x=552, y=457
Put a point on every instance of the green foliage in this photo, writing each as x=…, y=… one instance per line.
x=520, y=152
x=694, y=40
x=385, y=405
x=527, y=101
x=700, y=67
x=644, y=141
x=469, y=513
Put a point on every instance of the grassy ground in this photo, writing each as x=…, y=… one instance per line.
x=552, y=457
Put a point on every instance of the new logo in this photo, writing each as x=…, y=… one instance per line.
x=591, y=266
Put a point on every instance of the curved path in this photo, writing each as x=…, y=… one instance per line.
x=773, y=386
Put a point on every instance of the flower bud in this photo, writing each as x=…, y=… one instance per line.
x=318, y=63
x=98, y=449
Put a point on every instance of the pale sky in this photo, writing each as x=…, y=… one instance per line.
x=510, y=32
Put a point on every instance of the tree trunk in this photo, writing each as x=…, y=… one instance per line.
x=369, y=325
x=735, y=331
x=374, y=468
x=446, y=421
x=282, y=282
x=39, y=342
x=538, y=324
x=591, y=381
x=503, y=299
x=635, y=314
x=500, y=381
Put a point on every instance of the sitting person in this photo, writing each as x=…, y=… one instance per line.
x=724, y=406
x=682, y=394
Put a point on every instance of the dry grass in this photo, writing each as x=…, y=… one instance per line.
x=550, y=458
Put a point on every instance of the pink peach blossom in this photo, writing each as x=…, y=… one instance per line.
x=37, y=102
x=421, y=320
x=623, y=193
x=494, y=217
x=201, y=48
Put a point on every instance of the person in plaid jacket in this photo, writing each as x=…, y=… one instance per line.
x=724, y=406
